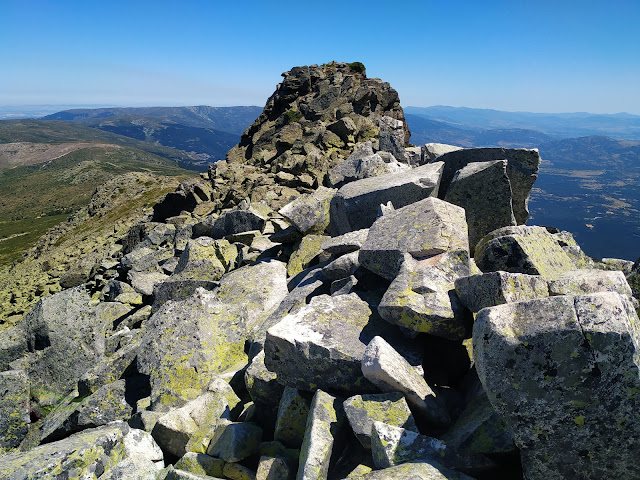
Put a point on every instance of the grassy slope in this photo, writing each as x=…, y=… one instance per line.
x=37, y=197
x=52, y=131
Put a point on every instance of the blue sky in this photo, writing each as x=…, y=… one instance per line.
x=541, y=56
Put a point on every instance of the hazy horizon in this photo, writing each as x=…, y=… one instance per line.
x=20, y=111
x=545, y=56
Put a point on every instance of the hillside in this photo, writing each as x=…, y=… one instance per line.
x=36, y=197
x=47, y=131
x=225, y=119
x=206, y=133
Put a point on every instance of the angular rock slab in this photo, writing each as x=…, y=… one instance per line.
x=13, y=345
x=422, y=297
x=326, y=419
x=106, y=405
x=391, y=137
x=237, y=221
x=415, y=471
x=394, y=446
x=206, y=259
x=383, y=366
x=431, y=151
x=423, y=229
x=355, y=206
x=271, y=468
x=14, y=409
x=522, y=170
x=480, y=429
x=580, y=282
x=201, y=464
x=233, y=442
x=306, y=252
x=484, y=191
x=187, y=343
x=66, y=337
x=349, y=242
x=522, y=249
x=495, y=288
x=363, y=163
x=293, y=411
x=309, y=213
x=80, y=456
x=389, y=408
x=321, y=345
x=564, y=372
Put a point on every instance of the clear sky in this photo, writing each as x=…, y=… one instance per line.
x=534, y=55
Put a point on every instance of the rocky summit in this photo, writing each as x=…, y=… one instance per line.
x=332, y=303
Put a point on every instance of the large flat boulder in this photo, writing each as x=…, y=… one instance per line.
x=84, y=454
x=421, y=230
x=564, y=373
x=495, y=288
x=321, y=345
x=522, y=249
x=355, y=206
x=522, y=169
x=65, y=337
x=188, y=342
x=422, y=298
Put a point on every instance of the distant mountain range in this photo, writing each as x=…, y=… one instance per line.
x=622, y=126
x=205, y=133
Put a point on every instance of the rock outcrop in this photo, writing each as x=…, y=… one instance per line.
x=332, y=305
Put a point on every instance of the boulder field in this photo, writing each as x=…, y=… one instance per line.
x=330, y=303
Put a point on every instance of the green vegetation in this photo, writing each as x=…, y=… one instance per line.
x=37, y=197
x=293, y=116
x=54, y=131
x=357, y=67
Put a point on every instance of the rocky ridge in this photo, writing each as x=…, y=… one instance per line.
x=391, y=318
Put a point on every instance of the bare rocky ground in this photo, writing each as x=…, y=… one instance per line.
x=329, y=303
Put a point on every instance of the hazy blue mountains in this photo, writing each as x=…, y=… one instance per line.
x=206, y=133
x=621, y=126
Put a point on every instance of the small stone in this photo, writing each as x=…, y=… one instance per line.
x=342, y=267
x=390, y=372
x=292, y=417
x=389, y=408
x=343, y=286
x=394, y=446
x=324, y=422
x=235, y=471
x=309, y=213
x=270, y=468
x=233, y=442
